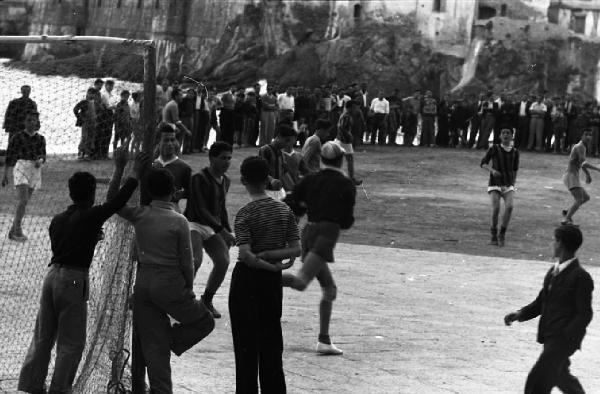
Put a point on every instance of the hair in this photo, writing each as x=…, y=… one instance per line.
x=135, y=95
x=284, y=130
x=570, y=236
x=164, y=127
x=337, y=162
x=125, y=92
x=91, y=91
x=175, y=92
x=110, y=82
x=586, y=130
x=254, y=170
x=219, y=147
x=98, y=81
x=32, y=112
x=160, y=182
x=323, y=124
x=82, y=186
x=25, y=87
x=507, y=129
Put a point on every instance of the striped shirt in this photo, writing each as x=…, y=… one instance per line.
x=265, y=224
x=506, y=162
x=25, y=146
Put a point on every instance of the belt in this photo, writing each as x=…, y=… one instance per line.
x=70, y=267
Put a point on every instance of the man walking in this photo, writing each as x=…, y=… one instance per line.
x=565, y=308
x=14, y=118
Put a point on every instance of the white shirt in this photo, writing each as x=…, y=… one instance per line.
x=560, y=267
x=199, y=102
x=538, y=107
x=134, y=110
x=341, y=101
x=286, y=102
x=160, y=160
x=364, y=97
x=380, y=106
x=523, y=108
x=109, y=99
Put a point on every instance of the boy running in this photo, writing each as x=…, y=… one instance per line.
x=25, y=154
x=62, y=317
x=571, y=178
x=329, y=198
x=565, y=308
x=209, y=224
x=266, y=233
x=503, y=174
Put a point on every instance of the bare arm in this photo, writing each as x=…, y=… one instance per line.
x=293, y=250
x=255, y=261
x=585, y=166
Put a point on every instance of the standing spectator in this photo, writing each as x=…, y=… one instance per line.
x=85, y=112
x=476, y=118
x=409, y=121
x=286, y=106
x=164, y=93
x=279, y=173
x=14, y=118
x=106, y=118
x=594, y=124
x=393, y=120
x=564, y=305
x=429, y=113
x=559, y=127
x=227, y=116
x=135, y=110
x=571, y=111
x=186, y=114
x=122, y=122
x=364, y=99
x=26, y=154
x=522, y=135
x=201, y=119
x=379, y=110
x=344, y=138
x=238, y=110
x=214, y=104
x=266, y=233
x=359, y=125
x=253, y=138
x=250, y=111
x=268, y=115
x=487, y=112
x=547, y=135
x=443, y=116
x=305, y=108
x=536, y=126
x=171, y=117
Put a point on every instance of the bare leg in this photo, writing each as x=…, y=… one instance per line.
x=196, y=250
x=580, y=197
x=508, y=208
x=24, y=193
x=495, y=198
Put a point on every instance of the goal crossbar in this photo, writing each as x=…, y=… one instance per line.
x=71, y=38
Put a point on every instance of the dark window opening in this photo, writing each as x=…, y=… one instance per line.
x=486, y=12
x=439, y=6
x=357, y=11
x=503, y=10
x=578, y=24
x=157, y=4
x=139, y=5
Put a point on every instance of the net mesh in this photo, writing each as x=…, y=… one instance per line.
x=24, y=264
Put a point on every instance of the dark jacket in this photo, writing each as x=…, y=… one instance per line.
x=206, y=201
x=564, y=305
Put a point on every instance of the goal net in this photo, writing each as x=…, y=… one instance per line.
x=49, y=65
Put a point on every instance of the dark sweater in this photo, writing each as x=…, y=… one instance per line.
x=328, y=195
x=564, y=305
x=74, y=233
x=206, y=201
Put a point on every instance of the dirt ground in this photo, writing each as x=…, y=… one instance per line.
x=414, y=198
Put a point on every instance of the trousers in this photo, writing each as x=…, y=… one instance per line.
x=61, y=319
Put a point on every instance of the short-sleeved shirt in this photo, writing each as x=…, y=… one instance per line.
x=576, y=158
x=311, y=153
x=25, y=146
x=265, y=224
x=504, y=161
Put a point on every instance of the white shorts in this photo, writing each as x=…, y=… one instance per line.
x=501, y=189
x=347, y=147
x=25, y=173
x=205, y=231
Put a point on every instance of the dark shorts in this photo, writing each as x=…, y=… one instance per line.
x=320, y=238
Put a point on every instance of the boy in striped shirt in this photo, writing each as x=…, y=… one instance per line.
x=266, y=234
x=504, y=158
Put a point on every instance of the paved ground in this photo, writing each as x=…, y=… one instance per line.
x=409, y=322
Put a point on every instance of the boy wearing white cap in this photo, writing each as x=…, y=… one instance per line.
x=328, y=197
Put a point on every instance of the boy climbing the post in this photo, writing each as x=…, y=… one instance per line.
x=25, y=154
x=209, y=223
x=503, y=175
x=578, y=162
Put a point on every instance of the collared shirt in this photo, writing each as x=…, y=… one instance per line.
x=560, y=267
x=162, y=235
x=538, y=108
x=109, y=99
x=25, y=146
x=74, y=233
x=14, y=119
x=523, y=108
x=380, y=106
x=286, y=102
x=206, y=201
